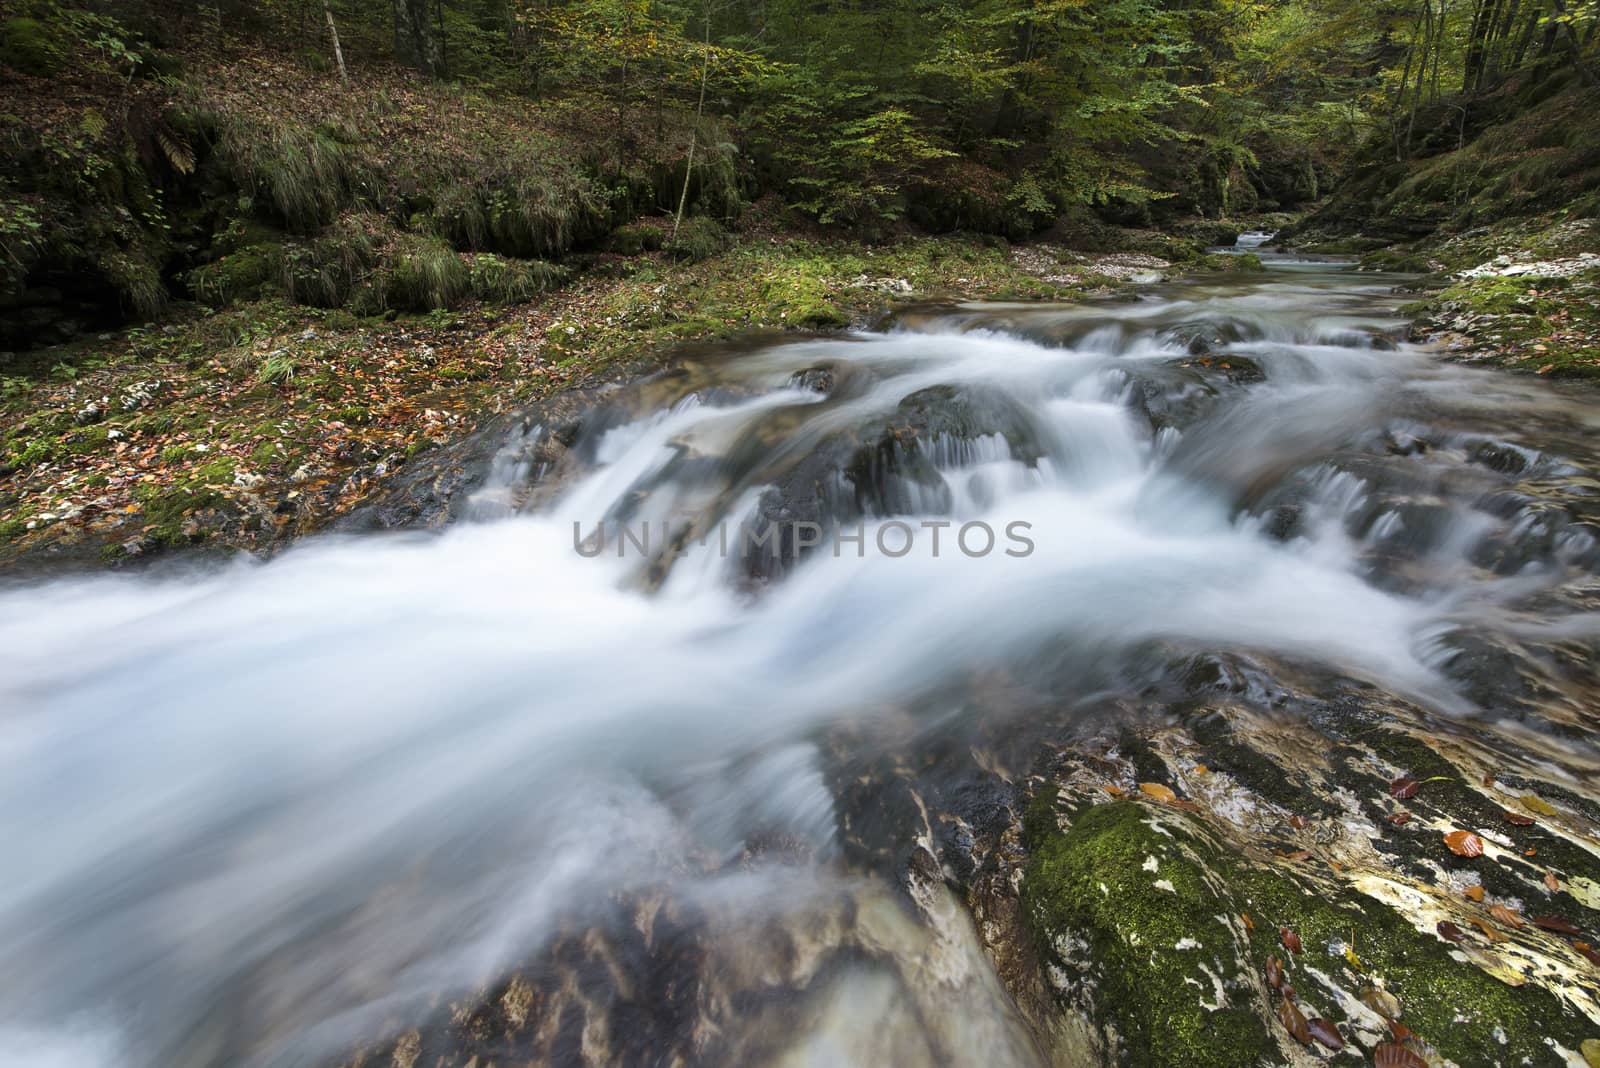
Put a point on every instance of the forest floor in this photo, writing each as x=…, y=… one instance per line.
x=243, y=427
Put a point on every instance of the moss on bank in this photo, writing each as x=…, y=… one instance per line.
x=1135, y=907
x=315, y=407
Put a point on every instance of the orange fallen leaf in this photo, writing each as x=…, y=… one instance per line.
x=1249, y=925
x=1506, y=916
x=1488, y=930
x=1158, y=791
x=1474, y=892
x=1464, y=844
x=1551, y=882
x=1290, y=940
x=1546, y=369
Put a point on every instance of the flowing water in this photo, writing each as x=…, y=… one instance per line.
x=263, y=813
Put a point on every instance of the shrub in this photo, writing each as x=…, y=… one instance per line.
x=277, y=369
x=304, y=175
x=236, y=275
x=635, y=238
x=699, y=239
x=512, y=281
x=30, y=46
x=324, y=272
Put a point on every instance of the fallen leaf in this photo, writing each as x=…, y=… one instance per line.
x=1546, y=369
x=1400, y=819
x=1293, y=854
x=1353, y=960
x=1294, y=1021
x=1530, y=851
x=1201, y=769
x=1450, y=932
x=1248, y=924
x=1403, y=788
x=1392, y=1055
x=1275, y=978
x=1299, y=823
x=1474, y=892
x=1327, y=1034
x=1588, y=954
x=1290, y=940
x=1158, y=791
x=1488, y=780
x=1537, y=805
x=1516, y=819
x=1381, y=1001
x=1506, y=916
x=1464, y=844
x=1114, y=790
x=1552, y=882
x=1591, y=1051
x=1557, y=924
x=1488, y=930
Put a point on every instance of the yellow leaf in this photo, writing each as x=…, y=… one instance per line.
x=1350, y=955
x=1158, y=791
x=1535, y=804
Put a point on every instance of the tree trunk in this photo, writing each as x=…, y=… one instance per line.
x=333, y=33
x=415, y=43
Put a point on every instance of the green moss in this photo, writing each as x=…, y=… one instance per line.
x=1232, y=263
x=635, y=238
x=1460, y=1010
x=237, y=275
x=1095, y=882
x=11, y=529
x=1396, y=261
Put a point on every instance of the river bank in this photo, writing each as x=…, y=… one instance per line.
x=242, y=428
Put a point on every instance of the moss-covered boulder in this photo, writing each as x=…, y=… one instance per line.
x=1138, y=933
x=1140, y=914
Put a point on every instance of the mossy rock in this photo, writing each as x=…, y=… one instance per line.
x=31, y=46
x=1135, y=910
x=635, y=238
x=1233, y=263
x=1126, y=911
x=235, y=276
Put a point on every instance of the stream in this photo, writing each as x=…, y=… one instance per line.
x=622, y=731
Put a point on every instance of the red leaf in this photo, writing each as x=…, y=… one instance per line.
x=1294, y=1021
x=1327, y=1034
x=1290, y=940
x=1400, y=819
x=1555, y=923
x=1403, y=788
x=1390, y=1055
x=1450, y=932
x=1519, y=820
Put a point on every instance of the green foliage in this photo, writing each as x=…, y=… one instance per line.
x=31, y=46
x=418, y=273
x=303, y=175
x=503, y=281
x=634, y=238
x=236, y=275
x=277, y=369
